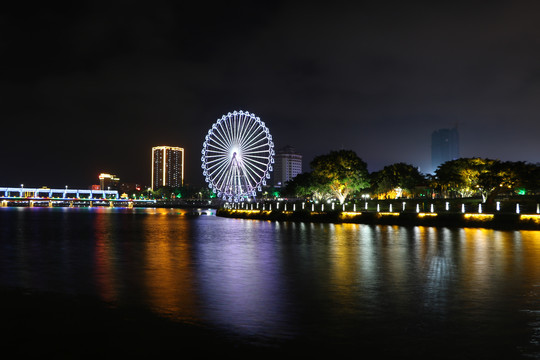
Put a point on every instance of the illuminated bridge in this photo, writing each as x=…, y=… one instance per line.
x=10, y=196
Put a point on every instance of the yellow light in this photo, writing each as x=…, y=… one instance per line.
x=349, y=215
x=389, y=213
x=483, y=217
x=426, y=214
x=534, y=218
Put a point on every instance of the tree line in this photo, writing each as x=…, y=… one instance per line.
x=343, y=175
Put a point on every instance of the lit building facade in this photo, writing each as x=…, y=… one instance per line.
x=108, y=181
x=287, y=164
x=444, y=147
x=167, y=166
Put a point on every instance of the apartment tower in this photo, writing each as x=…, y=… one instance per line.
x=288, y=164
x=167, y=166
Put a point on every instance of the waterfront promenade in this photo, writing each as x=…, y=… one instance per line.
x=500, y=215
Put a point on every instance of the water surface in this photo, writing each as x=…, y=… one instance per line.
x=464, y=293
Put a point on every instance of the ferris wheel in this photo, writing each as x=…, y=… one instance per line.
x=237, y=156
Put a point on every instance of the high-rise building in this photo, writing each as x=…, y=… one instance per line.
x=167, y=166
x=108, y=181
x=287, y=164
x=444, y=146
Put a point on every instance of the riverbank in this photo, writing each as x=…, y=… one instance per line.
x=492, y=221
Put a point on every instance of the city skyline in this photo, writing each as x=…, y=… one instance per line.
x=94, y=88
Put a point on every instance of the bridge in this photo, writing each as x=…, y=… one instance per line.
x=21, y=196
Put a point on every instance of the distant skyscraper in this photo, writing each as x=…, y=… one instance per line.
x=288, y=164
x=167, y=166
x=444, y=146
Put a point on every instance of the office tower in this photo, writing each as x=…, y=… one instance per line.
x=167, y=166
x=444, y=146
x=287, y=164
x=108, y=181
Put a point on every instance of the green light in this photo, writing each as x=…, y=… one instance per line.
x=521, y=191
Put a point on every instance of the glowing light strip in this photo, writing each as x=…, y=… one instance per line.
x=479, y=216
x=152, y=167
x=535, y=218
x=388, y=213
x=426, y=214
x=164, y=165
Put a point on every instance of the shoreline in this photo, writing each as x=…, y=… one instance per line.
x=500, y=221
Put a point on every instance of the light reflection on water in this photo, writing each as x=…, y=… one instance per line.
x=283, y=280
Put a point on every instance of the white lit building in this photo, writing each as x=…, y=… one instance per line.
x=167, y=166
x=287, y=164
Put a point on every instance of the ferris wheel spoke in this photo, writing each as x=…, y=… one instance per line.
x=211, y=163
x=219, y=155
x=226, y=132
x=251, y=132
x=255, y=156
x=216, y=174
x=238, y=127
x=244, y=169
x=221, y=131
x=213, y=158
x=252, y=148
x=262, y=156
x=230, y=182
x=217, y=165
x=251, y=175
x=247, y=130
x=263, y=151
x=223, y=180
x=256, y=139
x=257, y=165
x=252, y=165
x=253, y=140
x=241, y=123
x=219, y=141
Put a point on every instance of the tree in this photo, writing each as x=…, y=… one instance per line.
x=306, y=185
x=341, y=173
x=468, y=176
x=396, y=179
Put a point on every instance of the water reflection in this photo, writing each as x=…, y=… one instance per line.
x=167, y=269
x=281, y=280
x=239, y=277
x=105, y=268
x=438, y=268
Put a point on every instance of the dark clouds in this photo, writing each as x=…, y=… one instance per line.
x=90, y=89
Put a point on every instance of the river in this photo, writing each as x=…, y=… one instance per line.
x=424, y=291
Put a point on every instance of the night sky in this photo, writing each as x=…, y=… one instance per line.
x=92, y=88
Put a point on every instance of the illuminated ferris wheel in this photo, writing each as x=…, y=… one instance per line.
x=237, y=156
